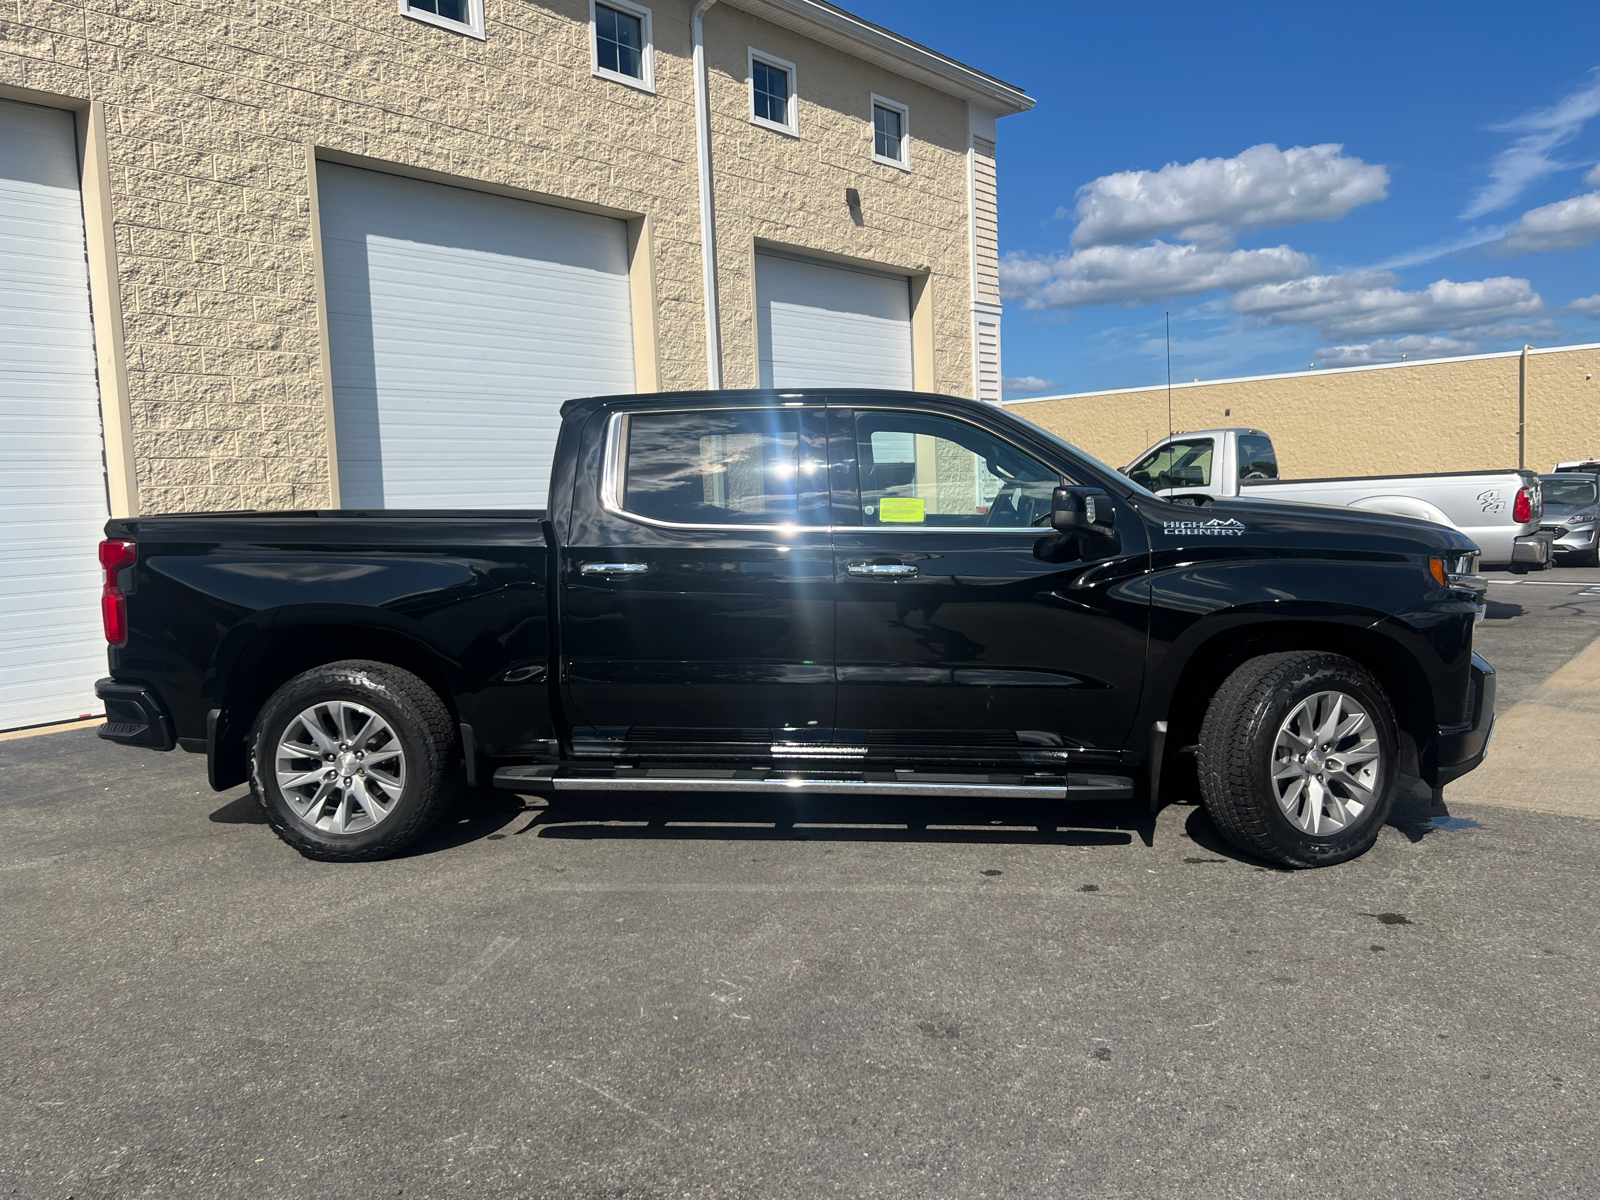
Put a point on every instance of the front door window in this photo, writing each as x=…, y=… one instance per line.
x=929, y=472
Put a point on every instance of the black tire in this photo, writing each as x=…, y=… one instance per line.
x=1518, y=568
x=1236, y=757
x=422, y=729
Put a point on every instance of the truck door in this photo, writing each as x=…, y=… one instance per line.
x=1181, y=467
x=959, y=623
x=697, y=600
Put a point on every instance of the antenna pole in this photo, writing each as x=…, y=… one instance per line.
x=1169, y=374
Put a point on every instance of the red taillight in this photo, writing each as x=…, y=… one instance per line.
x=115, y=556
x=1522, y=507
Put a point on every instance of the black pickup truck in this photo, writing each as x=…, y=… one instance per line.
x=859, y=592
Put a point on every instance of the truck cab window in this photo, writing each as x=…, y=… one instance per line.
x=1257, y=458
x=922, y=471
x=742, y=467
x=1175, y=465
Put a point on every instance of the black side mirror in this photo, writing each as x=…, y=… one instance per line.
x=1082, y=510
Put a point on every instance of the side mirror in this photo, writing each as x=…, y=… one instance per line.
x=1082, y=510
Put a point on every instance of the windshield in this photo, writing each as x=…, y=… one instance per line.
x=1041, y=431
x=1177, y=464
x=1576, y=492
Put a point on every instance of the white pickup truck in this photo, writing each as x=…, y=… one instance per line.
x=1499, y=510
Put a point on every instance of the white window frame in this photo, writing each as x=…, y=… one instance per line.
x=904, y=161
x=754, y=56
x=647, y=53
x=473, y=27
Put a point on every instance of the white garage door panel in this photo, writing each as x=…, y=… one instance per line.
x=828, y=326
x=52, y=480
x=458, y=323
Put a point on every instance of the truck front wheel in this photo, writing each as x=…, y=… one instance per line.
x=1298, y=758
x=353, y=761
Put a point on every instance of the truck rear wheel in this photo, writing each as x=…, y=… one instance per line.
x=1298, y=758
x=353, y=761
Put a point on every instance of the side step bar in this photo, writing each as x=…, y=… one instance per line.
x=872, y=783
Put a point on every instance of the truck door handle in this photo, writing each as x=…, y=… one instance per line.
x=881, y=570
x=613, y=568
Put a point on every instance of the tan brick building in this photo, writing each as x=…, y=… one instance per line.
x=1480, y=412
x=358, y=252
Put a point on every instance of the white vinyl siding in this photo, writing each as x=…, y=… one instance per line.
x=52, y=474
x=985, y=222
x=458, y=322
x=823, y=325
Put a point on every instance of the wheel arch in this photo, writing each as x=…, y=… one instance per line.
x=1393, y=664
x=255, y=660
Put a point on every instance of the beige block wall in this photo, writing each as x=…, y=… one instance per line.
x=789, y=191
x=1454, y=415
x=214, y=115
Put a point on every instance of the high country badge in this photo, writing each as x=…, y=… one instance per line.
x=1212, y=528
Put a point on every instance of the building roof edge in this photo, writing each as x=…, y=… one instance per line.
x=845, y=31
x=1200, y=383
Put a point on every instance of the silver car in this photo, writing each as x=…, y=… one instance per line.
x=1571, y=505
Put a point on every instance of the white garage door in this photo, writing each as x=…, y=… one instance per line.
x=459, y=322
x=822, y=325
x=52, y=477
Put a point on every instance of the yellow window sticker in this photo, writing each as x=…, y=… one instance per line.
x=901, y=509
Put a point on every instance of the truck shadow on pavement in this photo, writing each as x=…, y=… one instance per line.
x=670, y=816
x=489, y=813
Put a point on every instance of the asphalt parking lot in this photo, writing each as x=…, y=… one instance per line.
x=746, y=1000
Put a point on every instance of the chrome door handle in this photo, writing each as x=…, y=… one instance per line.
x=614, y=568
x=882, y=570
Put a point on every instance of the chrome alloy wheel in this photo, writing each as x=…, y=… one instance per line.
x=1326, y=764
x=340, y=767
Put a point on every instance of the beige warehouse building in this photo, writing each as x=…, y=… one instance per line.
x=254, y=254
x=1533, y=408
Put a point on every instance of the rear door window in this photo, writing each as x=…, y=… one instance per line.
x=1257, y=458
x=1175, y=465
x=736, y=467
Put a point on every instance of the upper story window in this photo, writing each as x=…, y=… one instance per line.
x=772, y=93
x=621, y=42
x=891, y=133
x=463, y=16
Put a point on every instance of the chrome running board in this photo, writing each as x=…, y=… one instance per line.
x=946, y=785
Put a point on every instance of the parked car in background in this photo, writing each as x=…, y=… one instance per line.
x=875, y=593
x=1499, y=510
x=1571, y=505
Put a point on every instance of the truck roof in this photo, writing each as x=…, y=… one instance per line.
x=746, y=397
x=1226, y=429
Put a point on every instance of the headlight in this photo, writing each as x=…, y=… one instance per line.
x=1580, y=519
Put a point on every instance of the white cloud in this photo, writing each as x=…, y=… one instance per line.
x=1558, y=226
x=1588, y=306
x=1527, y=160
x=1416, y=346
x=1368, y=304
x=1132, y=275
x=1022, y=385
x=1211, y=199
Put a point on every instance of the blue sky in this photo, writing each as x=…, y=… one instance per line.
x=1296, y=184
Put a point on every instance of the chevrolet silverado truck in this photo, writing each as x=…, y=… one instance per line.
x=844, y=592
x=1500, y=511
